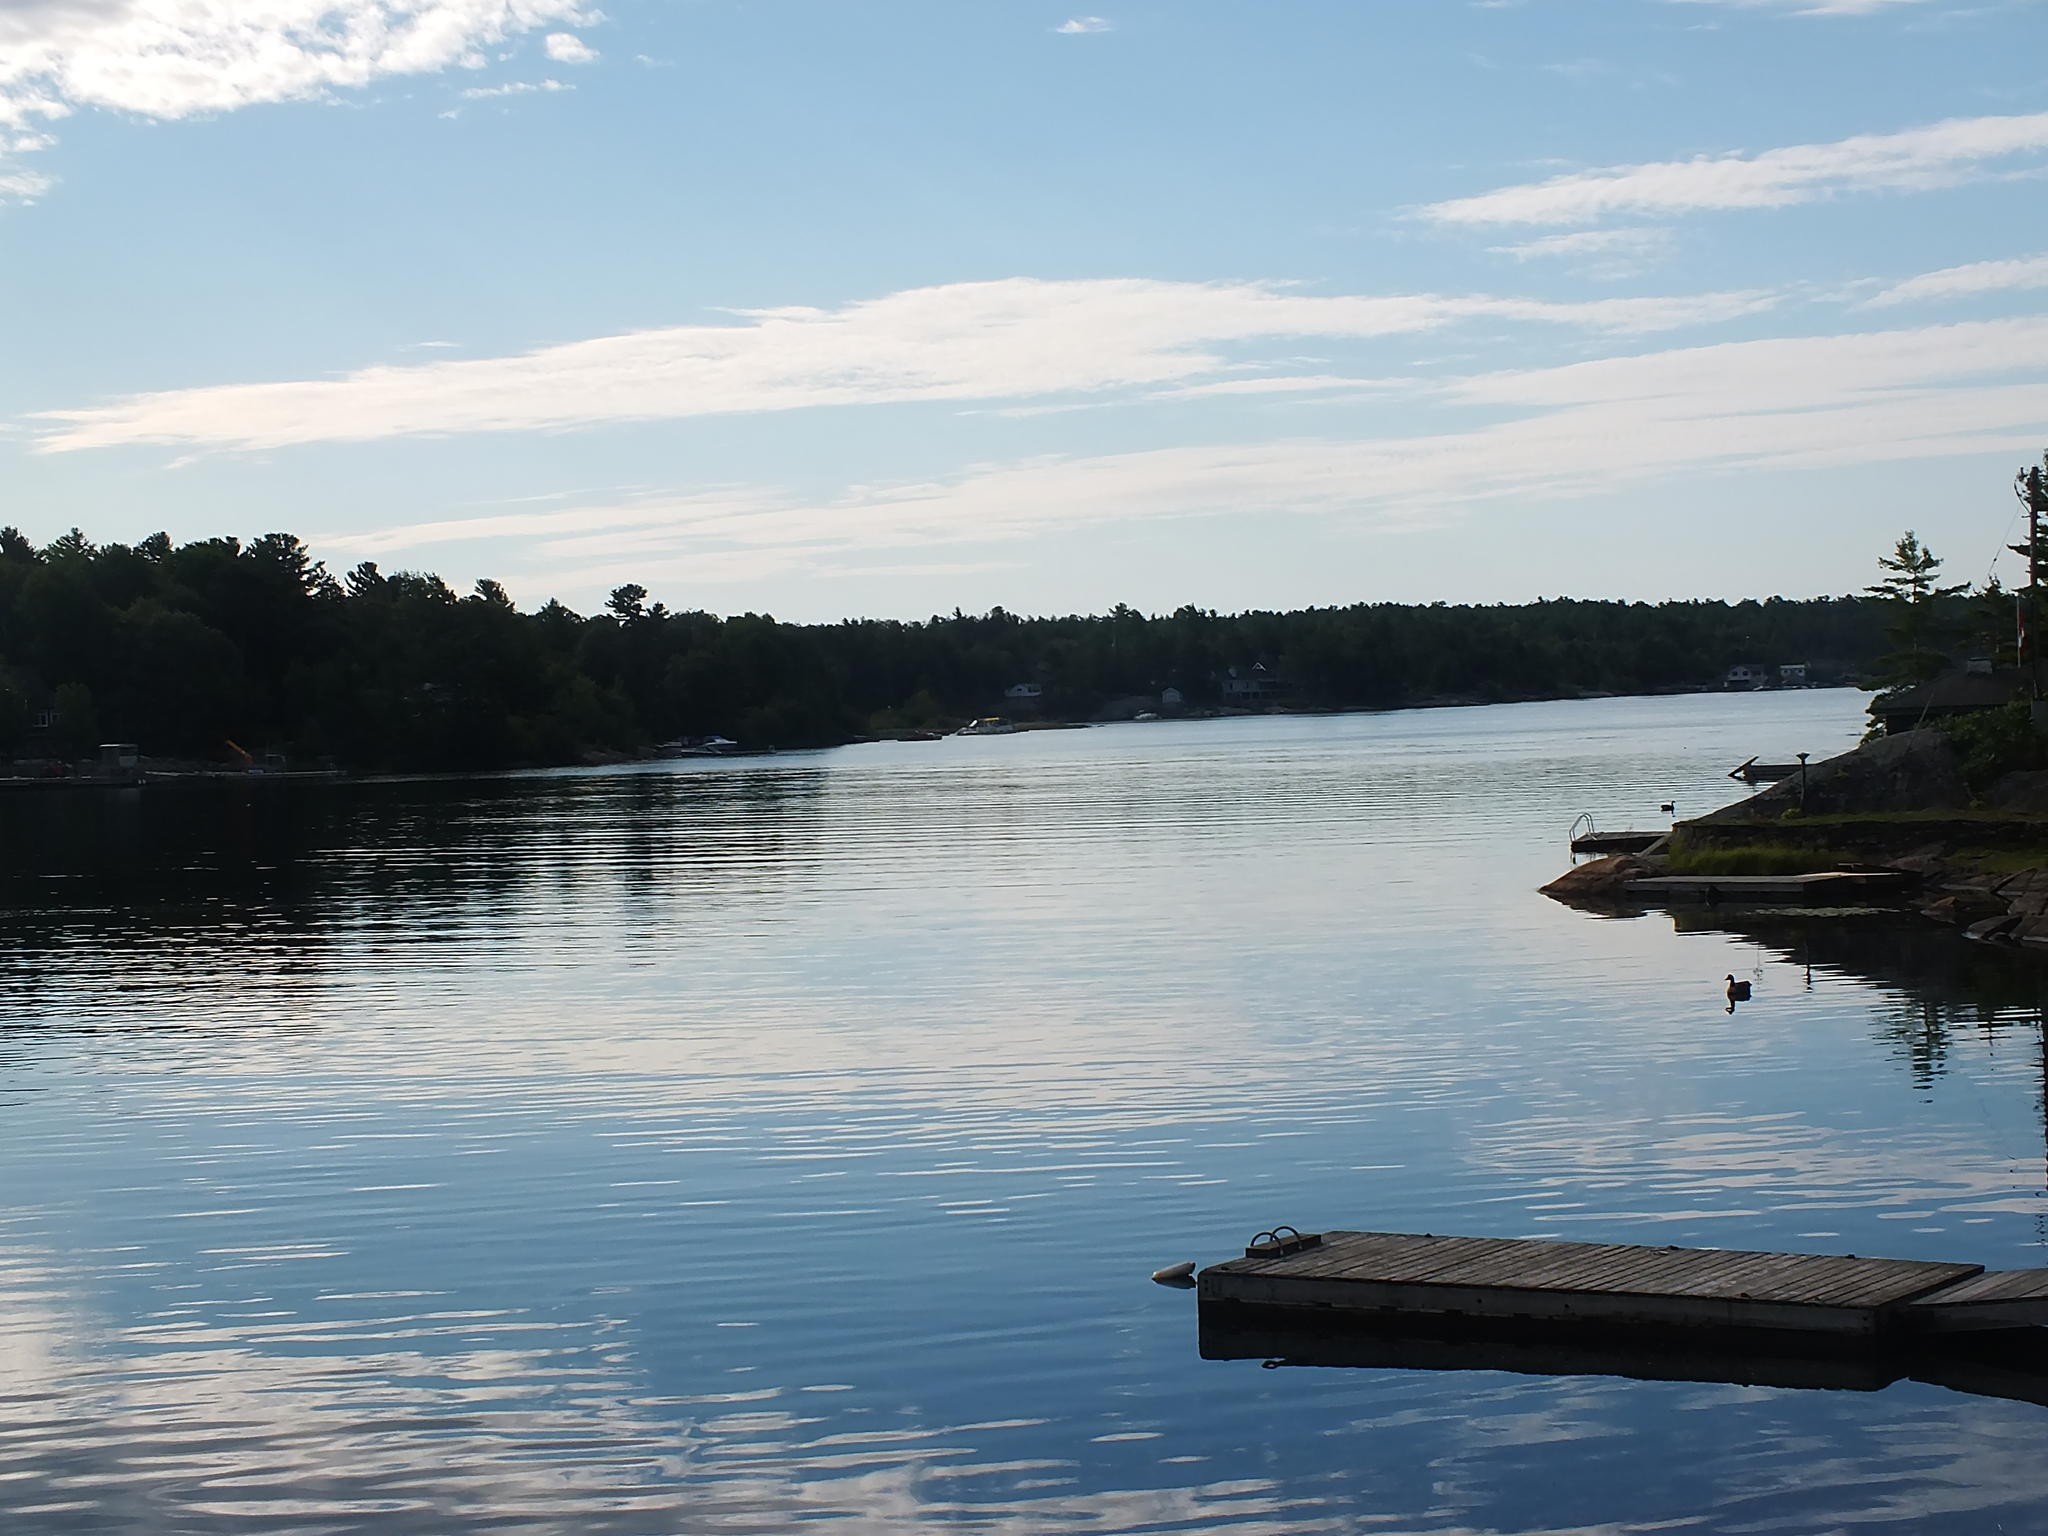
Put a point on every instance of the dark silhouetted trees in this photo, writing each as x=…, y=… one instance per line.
x=182, y=648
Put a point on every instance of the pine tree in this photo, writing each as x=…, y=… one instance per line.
x=1911, y=583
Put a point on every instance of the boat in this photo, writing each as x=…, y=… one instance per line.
x=987, y=725
x=1754, y=772
x=699, y=746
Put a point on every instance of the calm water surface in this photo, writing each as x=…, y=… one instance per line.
x=787, y=1141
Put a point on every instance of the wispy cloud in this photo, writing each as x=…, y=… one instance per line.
x=568, y=48
x=1013, y=339
x=1556, y=434
x=1814, y=7
x=1966, y=281
x=1080, y=24
x=1291, y=384
x=180, y=58
x=1918, y=159
x=1603, y=253
x=514, y=88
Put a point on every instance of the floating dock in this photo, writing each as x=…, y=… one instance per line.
x=1386, y=1275
x=1617, y=842
x=1830, y=888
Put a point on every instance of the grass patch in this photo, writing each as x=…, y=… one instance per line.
x=1755, y=859
x=1909, y=818
x=2002, y=861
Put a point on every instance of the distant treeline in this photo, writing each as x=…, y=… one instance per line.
x=184, y=648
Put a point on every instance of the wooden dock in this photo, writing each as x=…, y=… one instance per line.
x=1391, y=1274
x=1617, y=842
x=1828, y=888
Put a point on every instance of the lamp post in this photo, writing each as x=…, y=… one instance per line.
x=1802, y=779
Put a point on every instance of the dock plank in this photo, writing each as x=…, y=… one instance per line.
x=1459, y=1259
x=1557, y=1265
x=1633, y=1271
x=1727, y=1276
x=1403, y=1261
x=1512, y=1277
x=1998, y=1285
x=2013, y=1298
x=1880, y=1282
x=1589, y=1268
x=1787, y=1277
x=1574, y=1272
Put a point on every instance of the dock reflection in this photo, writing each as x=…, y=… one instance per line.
x=2011, y=1365
x=1933, y=965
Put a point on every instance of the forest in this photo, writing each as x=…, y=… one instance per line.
x=205, y=649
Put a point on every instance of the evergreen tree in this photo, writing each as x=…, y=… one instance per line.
x=1912, y=590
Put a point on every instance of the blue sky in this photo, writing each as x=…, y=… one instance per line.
x=823, y=308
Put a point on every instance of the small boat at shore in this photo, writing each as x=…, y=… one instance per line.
x=987, y=725
x=700, y=746
x=1754, y=772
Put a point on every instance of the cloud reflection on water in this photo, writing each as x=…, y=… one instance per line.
x=521, y=1154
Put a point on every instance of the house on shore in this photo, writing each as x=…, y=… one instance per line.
x=1252, y=687
x=1746, y=677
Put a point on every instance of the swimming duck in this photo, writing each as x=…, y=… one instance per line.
x=1738, y=991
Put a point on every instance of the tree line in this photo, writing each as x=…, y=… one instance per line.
x=185, y=648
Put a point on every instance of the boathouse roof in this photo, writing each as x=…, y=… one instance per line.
x=1953, y=693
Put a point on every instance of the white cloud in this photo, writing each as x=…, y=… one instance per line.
x=1289, y=385
x=23, y=186
x=1606, y=253
x=1552, y=433
x=1081, y=24
x=179, y=58
x=1814, y=7
x=568, y=48
x=514, y=88
x=1918, y=159
x=1008, y=339
x=1962, y=282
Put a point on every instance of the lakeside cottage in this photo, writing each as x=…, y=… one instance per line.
x=1250, y=686
x=1749, y=676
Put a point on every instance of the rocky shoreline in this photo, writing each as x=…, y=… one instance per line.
x=1900, y=803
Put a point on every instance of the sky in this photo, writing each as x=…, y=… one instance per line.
x=827, y=308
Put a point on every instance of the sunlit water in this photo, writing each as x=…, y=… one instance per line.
x=739, y=1145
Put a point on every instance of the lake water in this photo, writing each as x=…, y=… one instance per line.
x=740, y=1145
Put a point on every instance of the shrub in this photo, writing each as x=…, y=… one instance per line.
x=1998, y=741
x=1755, y=859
